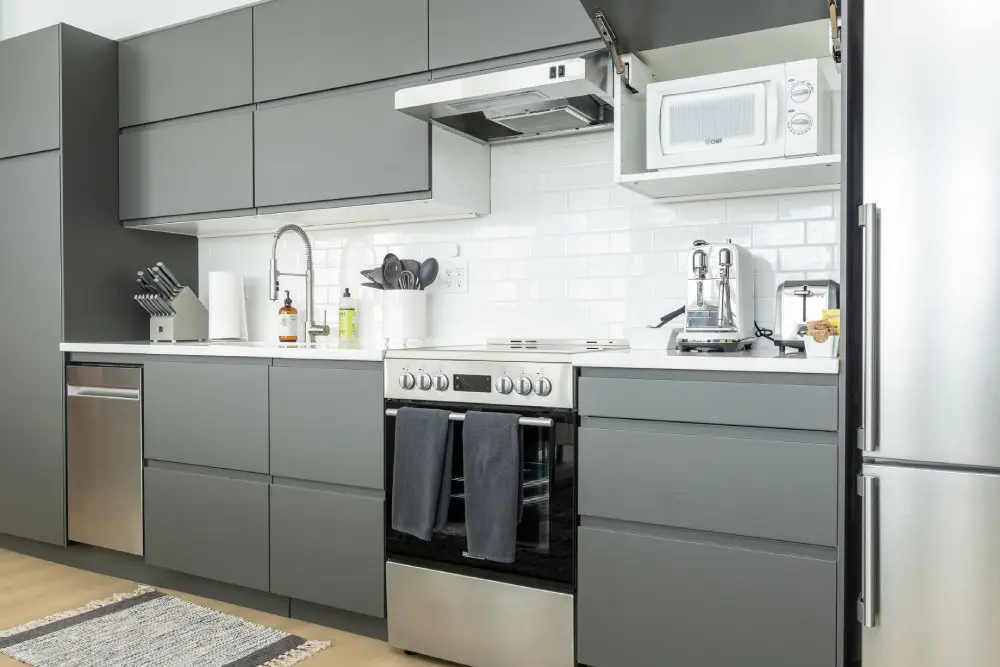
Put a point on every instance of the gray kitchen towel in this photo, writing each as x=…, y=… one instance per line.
x=492, y=466
x=421, y=471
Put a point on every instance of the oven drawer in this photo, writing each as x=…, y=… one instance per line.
x=780, y=485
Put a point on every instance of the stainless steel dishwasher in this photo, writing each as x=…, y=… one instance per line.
x=104, y=456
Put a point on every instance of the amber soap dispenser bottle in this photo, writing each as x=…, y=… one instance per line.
x=288, y=321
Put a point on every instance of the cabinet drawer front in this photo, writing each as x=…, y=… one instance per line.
x=197, y=67
x=326, y=426
x=212, y=527
x=664, y=601
x=29, y=93
x=192, y=166
x=806, y=406
x=351, y=144
x=307, y=46
x=742, y=485
x=207, y=414
x=327, y=548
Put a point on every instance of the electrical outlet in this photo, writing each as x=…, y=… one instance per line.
x=454, y=278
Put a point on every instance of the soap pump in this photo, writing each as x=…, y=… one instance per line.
x=288, y=321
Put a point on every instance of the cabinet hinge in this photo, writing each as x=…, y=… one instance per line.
x=611, y=40
x=860, y=444
x=835, y=31
x=861, y=610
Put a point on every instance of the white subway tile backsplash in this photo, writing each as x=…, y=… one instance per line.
x=565, y=253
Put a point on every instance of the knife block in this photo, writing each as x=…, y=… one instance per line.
x=188, y=323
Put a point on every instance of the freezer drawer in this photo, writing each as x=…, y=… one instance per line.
x=104, y=456
x=931, y=565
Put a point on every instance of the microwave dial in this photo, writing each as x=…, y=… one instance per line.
x=800, y=123
x=800, y=92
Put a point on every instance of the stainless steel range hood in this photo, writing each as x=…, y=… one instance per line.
x=529, y=101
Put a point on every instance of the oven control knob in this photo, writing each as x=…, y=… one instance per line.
x=543, y=386
x=800, y=123
x=523, y=386
x=800, y=92
x=504, y=384
x=441, y=382
x=407, y=381
x=425, y=381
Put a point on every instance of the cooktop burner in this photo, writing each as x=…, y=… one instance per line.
x=530, y=348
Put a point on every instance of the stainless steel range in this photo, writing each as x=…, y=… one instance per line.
x=440, y=601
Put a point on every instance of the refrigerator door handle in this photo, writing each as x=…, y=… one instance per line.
x=868, y=600
x=869, y=220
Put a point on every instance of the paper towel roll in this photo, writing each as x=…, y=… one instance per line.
x=227, y=306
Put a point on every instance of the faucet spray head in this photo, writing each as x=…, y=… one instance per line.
x=273, y=277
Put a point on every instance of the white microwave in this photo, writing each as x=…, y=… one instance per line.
x=778, y=111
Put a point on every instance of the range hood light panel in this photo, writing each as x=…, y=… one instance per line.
x=499, y=102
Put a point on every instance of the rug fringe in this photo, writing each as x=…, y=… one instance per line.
x=90, y=606
x=297, y=654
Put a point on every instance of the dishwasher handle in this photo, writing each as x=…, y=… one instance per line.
x=103, y=392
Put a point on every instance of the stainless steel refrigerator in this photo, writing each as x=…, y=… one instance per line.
x=930, y=480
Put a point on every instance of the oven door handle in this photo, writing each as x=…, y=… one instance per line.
x=543, y=422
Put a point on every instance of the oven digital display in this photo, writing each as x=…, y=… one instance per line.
x=476, y=383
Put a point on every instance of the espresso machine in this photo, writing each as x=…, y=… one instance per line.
x=718, y=316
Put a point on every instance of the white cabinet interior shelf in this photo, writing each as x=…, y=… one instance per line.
x=732, y=179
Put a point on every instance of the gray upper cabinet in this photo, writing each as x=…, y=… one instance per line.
x=200, y=165
x=29, y=93
x=305, y=46
x=193, y=68
x=465, y=31
x=339, y=146
x=327, y=424
x=207, y=414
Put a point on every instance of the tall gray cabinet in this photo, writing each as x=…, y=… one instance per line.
x=59, y=233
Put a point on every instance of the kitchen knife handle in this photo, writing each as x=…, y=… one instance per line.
x=868, y=602
x=870, y=221
x=176, y=284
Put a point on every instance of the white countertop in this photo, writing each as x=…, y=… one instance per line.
x=763, y=359
x=234, y=349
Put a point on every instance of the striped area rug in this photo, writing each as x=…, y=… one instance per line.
x=147, y=628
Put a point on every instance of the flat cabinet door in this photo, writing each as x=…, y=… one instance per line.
x=29, y=93
x=327, y=548
x=327, y=425
x=936, y=548
x=465, y=31
x=306, y=46
x=212, y=527
x=193, y=166
x=197, y=67
x=32, y=440
x=350, y=144
x=207, y=414
x=649, y=601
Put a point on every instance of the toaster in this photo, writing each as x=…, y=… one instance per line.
x=800, y=301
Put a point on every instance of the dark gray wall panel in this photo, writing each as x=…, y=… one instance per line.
x=211, y=415
x=193, y=68
x=305, y=46
x=29, y=93
x=212, y=527
x=328, y=548
x=327, y=424
x=32, y=444
x=193, y=166
x=649, y=601
x=349, y=144
x=741, y=485
x=465, y=31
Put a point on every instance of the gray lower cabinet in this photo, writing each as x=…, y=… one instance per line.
x=198, y=165
x=306, y=46
x=327, y=547
x=646, y=601
x=29, y=93
x=208, y=526
x=327, y=425
x=465, y=31
x=207, y=414
x=351, y=143
x=192, y=68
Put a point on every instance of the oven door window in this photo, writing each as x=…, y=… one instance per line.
x=545, y=534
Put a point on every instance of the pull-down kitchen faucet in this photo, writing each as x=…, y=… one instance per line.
x=313, y=329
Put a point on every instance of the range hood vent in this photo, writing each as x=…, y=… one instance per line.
x=524, y=102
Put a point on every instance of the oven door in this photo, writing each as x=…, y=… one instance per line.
x=546, y=535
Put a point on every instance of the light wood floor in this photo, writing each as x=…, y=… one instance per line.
x=31, y=588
